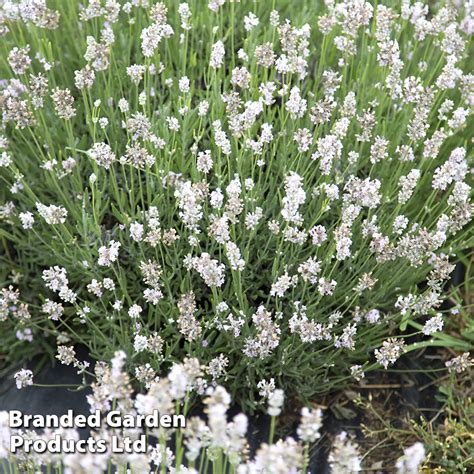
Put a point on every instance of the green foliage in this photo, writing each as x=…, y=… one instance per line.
x=102, y=209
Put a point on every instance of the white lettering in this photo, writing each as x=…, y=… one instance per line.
x=16, y=418
x=16, y=441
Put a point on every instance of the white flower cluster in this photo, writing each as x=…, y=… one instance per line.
x=235, y=187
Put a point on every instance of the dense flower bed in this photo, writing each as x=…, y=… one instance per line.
x=279, y=193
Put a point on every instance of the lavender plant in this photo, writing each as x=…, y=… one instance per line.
x=217, y=445
x=280, y=193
